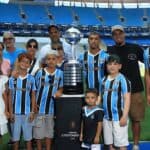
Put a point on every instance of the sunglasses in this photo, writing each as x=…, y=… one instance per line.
x=32, y=46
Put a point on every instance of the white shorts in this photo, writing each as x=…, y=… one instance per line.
x=43, y=127
x=114, y=134
x=3, y=129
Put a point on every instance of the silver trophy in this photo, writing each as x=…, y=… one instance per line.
x=73, y=76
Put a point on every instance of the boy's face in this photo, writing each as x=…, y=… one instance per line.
x=91, y=99
x=113, y=67
x=24, y=63
x=51, y=60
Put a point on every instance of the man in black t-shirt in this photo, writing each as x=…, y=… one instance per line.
x=130, y=54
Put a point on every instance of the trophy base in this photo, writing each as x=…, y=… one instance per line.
x=69, y=90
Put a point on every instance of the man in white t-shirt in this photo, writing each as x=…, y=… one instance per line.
x=54, y=35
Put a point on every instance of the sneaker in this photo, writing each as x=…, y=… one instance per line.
x=135, y=147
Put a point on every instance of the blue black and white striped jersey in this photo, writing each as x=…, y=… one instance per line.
x=112, y=93
x=47, y=85
x=21, y=89
x=147, y=58
x=93, y=66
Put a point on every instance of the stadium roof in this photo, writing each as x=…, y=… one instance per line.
x=90, y=3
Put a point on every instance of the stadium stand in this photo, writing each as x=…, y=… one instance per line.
x=33, y=20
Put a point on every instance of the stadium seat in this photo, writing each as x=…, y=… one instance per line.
x=61, y=15
x=36, y=14
x=10, y=13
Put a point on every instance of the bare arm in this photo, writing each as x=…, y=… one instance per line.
x=59, y=92
x=98, y=133
x=10, y=106
x=124, y=118
x=5, y=98
x=33, y=104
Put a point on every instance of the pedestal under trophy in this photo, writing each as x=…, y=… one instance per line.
x=73, y=76
x=69, y=105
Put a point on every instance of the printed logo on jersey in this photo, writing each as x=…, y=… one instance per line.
x=132, y=56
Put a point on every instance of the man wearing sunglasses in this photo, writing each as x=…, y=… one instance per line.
x=10, y=52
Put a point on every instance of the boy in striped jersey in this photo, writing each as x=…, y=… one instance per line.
x=147, y=73
x=22, y=102
x=93, y=62
x=115, y=93
x=49, y=81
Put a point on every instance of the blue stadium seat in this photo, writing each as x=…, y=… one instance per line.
x=133, y=17
x=86, y=16
x=36, y=14
x=10, y=13
x=110, y=16
x=61, y=14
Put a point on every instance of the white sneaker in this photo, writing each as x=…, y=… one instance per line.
x=135, y=147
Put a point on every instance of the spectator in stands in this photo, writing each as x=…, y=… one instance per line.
x=4, y=63
x=93, y=62
x=54, y=35
x=10, y=51
x=147, y=73
x=130, y=54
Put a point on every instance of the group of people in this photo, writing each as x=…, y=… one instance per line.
x=31, y=81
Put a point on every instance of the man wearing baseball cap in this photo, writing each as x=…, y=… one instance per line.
x=130, y=54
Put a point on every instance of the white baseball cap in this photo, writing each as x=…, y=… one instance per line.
x=117, y=27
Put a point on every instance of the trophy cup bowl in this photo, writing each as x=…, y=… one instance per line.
x=73, y=76
x=72, y=36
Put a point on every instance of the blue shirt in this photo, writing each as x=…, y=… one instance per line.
x=112, y=92
x=12, y=56
x=147, y=58
x=93, y=68
x=21, y=89
x=47, y=85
